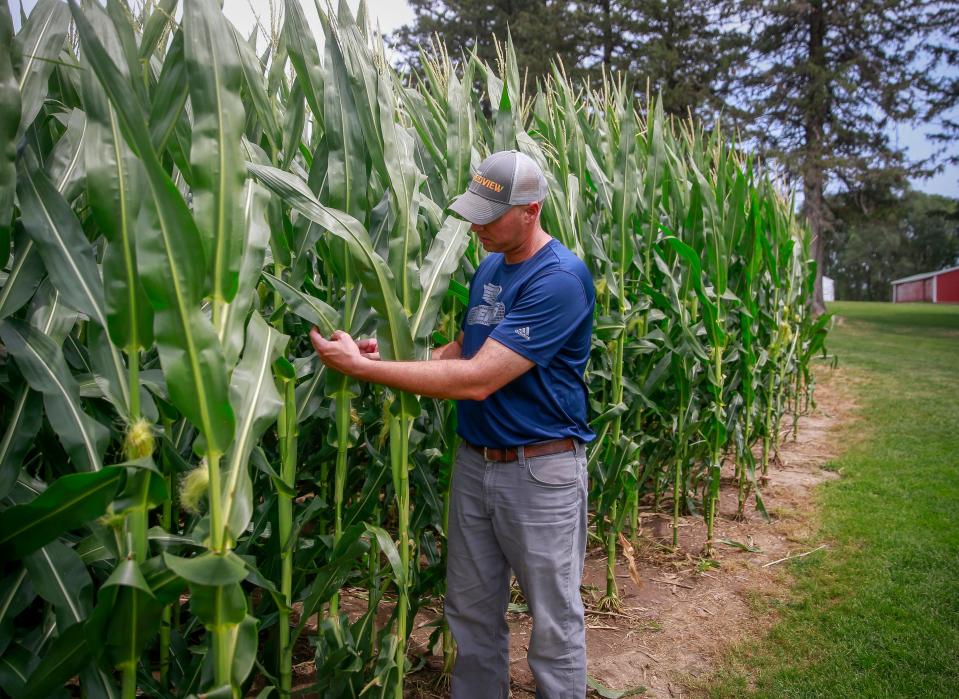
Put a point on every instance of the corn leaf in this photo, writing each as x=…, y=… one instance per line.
x=309, y=308
x=305, y=58
x=65, y=166
x=63, y=247
x=9, y=125
x=49, y=316
x=42, y=38
x=169, y=97
x=114, y=183
x=65, y=658
x=68, y=503
x=172, y=268
x=41, y=362
x=59, y=577
x=156, y=26
x=346, y=179
x=441, y=261
x=215, y=76
x=254, y=201
x=255, y=84
x=127, y=614
x=256, y=404
x=26, y=273
x=396, y=341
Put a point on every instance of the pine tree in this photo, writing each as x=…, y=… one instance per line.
x=540, y=29
x=681, y=49
x=942, y=77
x=826, y=81
x=607, y=37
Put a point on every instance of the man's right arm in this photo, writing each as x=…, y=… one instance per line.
x=476, y=378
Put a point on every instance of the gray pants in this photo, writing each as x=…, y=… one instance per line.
x=527, y=515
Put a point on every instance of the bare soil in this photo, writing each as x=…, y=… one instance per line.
x=686, y=609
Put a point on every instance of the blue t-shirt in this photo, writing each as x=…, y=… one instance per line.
x=541, y=308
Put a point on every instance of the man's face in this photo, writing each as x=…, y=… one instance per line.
x=506, y=232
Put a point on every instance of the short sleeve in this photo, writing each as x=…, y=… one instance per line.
x=544, y=316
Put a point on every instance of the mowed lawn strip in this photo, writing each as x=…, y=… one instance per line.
x=877, y=614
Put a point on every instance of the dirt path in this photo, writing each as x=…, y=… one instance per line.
x=674, y=625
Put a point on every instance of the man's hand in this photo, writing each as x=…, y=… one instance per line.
x=451, y=350
x=340, y=352
x=369, y=348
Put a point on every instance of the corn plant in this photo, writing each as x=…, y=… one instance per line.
x=185, y=491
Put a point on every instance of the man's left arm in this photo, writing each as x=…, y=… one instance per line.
x=494, y=366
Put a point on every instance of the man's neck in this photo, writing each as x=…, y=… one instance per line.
x=529, y=247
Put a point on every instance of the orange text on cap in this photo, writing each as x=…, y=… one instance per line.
x=496, y=187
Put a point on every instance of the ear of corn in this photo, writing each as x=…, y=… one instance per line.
x=178, y=207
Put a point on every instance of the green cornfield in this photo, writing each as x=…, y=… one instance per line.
x=185, y=491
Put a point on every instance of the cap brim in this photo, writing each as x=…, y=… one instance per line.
x=477, y=209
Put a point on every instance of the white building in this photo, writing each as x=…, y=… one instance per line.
x=828, y=289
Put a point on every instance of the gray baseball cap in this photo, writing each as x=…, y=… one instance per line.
x=506, y=178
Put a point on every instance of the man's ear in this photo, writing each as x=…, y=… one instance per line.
x=532, y=210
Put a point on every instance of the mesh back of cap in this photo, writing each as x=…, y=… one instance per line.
x=528, y=182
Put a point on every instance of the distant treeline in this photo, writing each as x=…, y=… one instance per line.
x=897, y=237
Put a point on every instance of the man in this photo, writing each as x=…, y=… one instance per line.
x=519, y=482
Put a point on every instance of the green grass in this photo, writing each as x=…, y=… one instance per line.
x=877, y=614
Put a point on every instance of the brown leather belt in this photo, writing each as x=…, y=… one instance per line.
x=556, y=446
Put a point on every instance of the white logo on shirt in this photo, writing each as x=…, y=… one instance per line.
x=523, y=332
x=490, y=314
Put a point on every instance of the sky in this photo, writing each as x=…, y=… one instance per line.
x=392, y=14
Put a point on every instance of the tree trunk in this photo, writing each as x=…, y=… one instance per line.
x=813, y=175
x=813, y=193
x=607, y=35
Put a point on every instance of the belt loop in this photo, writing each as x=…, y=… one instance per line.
x=486, y=454
x=521, y=455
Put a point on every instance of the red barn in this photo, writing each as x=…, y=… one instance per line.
x=932, y=287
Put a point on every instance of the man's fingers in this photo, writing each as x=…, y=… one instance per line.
x=316, y=338
x=336, y=335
